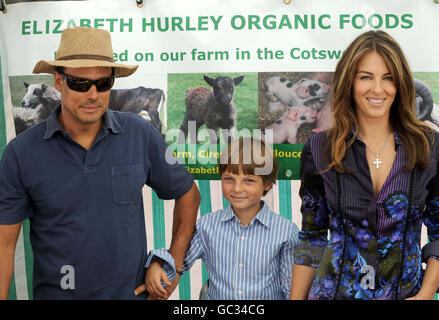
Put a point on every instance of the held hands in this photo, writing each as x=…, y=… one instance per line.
x=154, y=275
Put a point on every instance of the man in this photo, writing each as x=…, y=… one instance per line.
x=78, y=177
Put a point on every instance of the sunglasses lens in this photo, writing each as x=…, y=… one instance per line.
x=83, y=85
x=104, y=84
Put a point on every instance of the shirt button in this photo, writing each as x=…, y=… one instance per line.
x=241, y=265
x=239, y=292
x=242, y=237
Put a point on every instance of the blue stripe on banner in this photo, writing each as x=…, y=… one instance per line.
x=226, y=202
x=12, y=291
x=205, y=207
x=206, y=203
x=158, y=220
x=158, y=216
x=2, y=114
x=285, y=199
x=184, y=286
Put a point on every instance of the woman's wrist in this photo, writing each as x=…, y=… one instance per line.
x=422, y=295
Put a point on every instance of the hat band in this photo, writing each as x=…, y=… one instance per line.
x=86, y=56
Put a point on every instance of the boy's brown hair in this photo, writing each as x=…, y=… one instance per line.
x=252, y=156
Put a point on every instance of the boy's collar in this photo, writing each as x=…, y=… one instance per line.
x=262, y=216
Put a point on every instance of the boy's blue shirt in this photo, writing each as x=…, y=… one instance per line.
x=251, y=262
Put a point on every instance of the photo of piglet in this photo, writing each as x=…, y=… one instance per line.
x=294, y=104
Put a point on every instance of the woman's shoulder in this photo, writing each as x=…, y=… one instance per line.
x=316, y=142
x=435, y=141
x=318, y=137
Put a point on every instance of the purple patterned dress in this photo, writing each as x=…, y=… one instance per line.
x=374, y=247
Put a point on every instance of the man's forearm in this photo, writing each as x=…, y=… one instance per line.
x=185, y=216
x=6, y=271
x=8, y=240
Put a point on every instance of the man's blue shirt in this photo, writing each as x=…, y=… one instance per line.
x=85, y=206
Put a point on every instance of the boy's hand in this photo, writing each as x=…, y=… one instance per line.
x=153, y=278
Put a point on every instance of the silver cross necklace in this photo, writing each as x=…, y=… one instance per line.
x=377, y=161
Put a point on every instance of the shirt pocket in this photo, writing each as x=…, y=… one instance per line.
x=264, y=259
x=127, y=183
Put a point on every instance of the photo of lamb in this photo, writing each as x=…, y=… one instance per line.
x=34, y=97
x=294, y=104
x=213, y=101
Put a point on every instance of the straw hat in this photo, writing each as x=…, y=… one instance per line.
x=84, y=47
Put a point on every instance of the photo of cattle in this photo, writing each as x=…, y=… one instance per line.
x=294, y=104
x=34, y=97
x=225, y=104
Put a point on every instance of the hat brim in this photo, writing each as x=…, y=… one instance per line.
x=120, y=70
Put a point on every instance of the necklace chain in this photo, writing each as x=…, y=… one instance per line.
x=377, y=161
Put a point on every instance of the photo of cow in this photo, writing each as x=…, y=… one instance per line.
x=34, y=97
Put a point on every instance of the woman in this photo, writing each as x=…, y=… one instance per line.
x=371, y=180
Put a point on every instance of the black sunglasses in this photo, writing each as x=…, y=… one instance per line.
x=83, y=85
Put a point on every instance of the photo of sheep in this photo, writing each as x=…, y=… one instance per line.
x=34, y=97
x=427, y=97
x=212, y=101
x=294, y=104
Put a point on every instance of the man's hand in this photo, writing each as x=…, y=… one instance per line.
x=154, y=275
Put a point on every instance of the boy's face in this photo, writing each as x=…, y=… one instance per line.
x=244, y=192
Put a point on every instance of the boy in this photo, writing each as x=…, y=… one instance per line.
x=246, y=248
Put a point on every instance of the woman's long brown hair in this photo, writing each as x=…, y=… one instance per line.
x=414, y=134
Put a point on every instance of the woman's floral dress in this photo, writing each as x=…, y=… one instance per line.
x=373, y=251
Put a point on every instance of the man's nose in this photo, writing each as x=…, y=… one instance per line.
x=92, y=93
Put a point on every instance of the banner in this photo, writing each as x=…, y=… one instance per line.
x=277, y=57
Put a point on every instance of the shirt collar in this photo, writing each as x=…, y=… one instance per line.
x=111, y=124
x=262, y=216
